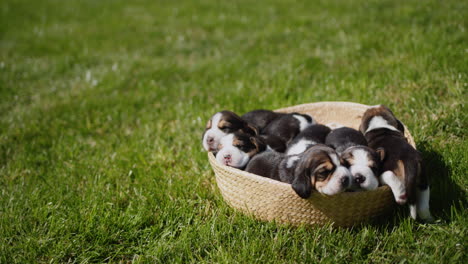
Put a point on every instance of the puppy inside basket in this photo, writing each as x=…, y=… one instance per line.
x=294, y=148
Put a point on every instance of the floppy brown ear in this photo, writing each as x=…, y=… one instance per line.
x=361, y=128
x=208, y=124
x=344, y=159
x=302, y=183
x=249, y=129
x=381, y=153
x=258, y=144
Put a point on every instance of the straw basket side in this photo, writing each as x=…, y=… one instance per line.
x=268, y=199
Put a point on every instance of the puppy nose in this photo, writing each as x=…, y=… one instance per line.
x=210, y=140
x=359, y=178
x=344, y=181
x=227, y=157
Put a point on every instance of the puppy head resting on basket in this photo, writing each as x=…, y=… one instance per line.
x=319, y=167
x=364, y=164
x=362, y=161
x=222, y=124
x=237, y=149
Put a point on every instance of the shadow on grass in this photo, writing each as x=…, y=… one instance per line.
x=446, y=194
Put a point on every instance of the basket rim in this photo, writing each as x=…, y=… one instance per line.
x=341, y=103
x=289, y=109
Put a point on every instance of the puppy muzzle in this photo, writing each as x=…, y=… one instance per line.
x=339, y=182
x=364, y=177
x=232, y=157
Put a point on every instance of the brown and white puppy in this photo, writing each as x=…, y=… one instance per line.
x=317, y=168
x=238, y=148
x=222, y=124
x=362, y=161
x=401, y=164
x=287, y=126
x=312, y=135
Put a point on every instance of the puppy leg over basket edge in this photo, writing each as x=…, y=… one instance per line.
x=398, y=187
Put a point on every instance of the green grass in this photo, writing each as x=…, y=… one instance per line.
x=102, y=106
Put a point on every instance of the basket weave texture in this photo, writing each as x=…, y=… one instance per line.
x=268, y=200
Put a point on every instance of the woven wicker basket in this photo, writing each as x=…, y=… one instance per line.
x=268, y=199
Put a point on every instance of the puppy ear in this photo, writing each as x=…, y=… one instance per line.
x=361, y=128
x=344, y=162
x=208, y=124
x=259, y=144
x=250, y=129
x=400, y=126
x=308, y=118
x=344, y=158
x=302, y=184
x=381, y=153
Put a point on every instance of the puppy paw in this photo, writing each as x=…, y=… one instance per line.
x=425, y=216
x=401, y=198
x=400, y=194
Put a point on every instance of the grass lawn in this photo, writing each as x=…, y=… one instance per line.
x=102, y=106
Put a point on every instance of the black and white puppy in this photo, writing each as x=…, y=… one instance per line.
x=222, y=124
x=273, y=142
x=260, y=118
x=402, y=164
x=317, y=168
x=238, y=148
x=287, y=126
x=362, y=161
x=312, y=135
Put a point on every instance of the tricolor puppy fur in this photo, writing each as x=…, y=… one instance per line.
x=260, y=118
x=312, y=135
x=287, y=126
x=362, y=161
x=273, y=142
x=317, y=168
x=237, y=149
x=222, y=124
x=402, y=164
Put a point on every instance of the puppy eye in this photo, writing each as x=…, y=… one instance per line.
x=321, y=175
x=345, y=163
x=243, y=148
x=226, y=128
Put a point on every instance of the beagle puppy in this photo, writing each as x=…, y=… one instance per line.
x=238, y=148
x=222, y=124
x=362, y=161
x=312, y=135
x=401, y=163
x=273, y=142
x=287, y=126
x=317, y=168
x=260, y=118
